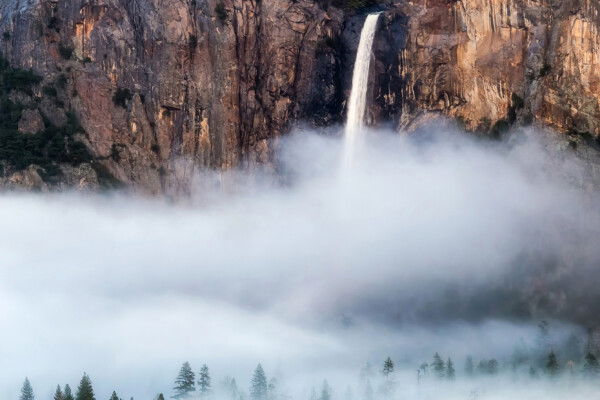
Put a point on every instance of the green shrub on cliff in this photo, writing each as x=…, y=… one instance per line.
x=122, y=96
x=19, y=79
x=52, y=145
x=66, y=52
x=55, y=144
x=221, y=11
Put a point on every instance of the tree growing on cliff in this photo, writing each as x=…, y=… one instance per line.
x=221, y=11
x=26, y=391
x=85, y=390
x=184, y=383
x=122, y=96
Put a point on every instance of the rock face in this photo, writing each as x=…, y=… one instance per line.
x=163, y=87
x=491, y=63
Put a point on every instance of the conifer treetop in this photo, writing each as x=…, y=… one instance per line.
x=85, y=390
x=26, y=391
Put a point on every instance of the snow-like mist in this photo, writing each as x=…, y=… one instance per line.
x=434, y=242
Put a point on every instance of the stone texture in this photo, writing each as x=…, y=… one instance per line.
x=205, y=91
x=28, y=180
x=200, y=90
x=484, y=61
x=31, y=122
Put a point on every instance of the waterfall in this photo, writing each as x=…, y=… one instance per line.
x=360, y=81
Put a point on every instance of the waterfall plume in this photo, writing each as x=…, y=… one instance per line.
x=360, y=81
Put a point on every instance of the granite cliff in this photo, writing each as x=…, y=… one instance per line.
x=142, y=93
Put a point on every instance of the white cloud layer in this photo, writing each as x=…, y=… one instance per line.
x=318, y=275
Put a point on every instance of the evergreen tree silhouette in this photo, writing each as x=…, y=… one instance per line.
x=325, y=391
x=258, y=384
x=26, y=391
x=438, y=365
x=204, y=381
x=591, y=365
x=184, y=383
x=67, y=394
x=388, y=367
x=85, y=390
x=450, y=371
x=58, y=394
x=552, y=366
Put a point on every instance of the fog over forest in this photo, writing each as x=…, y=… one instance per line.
x=434, y=242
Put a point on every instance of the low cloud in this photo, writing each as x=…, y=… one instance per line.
x=424, y=244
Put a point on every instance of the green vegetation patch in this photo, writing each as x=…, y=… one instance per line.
x=47, y=148
x=17, y=79
x=122, y=96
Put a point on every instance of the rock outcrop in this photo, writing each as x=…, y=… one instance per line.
x=492, y=63
x=163, y=87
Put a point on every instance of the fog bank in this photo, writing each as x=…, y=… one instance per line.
x=435, y=242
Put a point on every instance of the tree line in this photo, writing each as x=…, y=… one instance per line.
x=188, y=385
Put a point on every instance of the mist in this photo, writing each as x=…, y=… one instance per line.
x=433, y=242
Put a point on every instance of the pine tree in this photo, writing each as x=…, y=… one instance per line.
x=85, y=390
x=160, y=397
x=114, y=396
x=591, y=365
x=184, y=383
x=58, y=395
x=552, y=364
x=388, y=367
x=204, y=381
x=325, y=391
x=26, y=391
x=68, y=395
x=438, y=365
x=258, y=384
x=492, y=366
x=450, y=372
x=469, y=366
